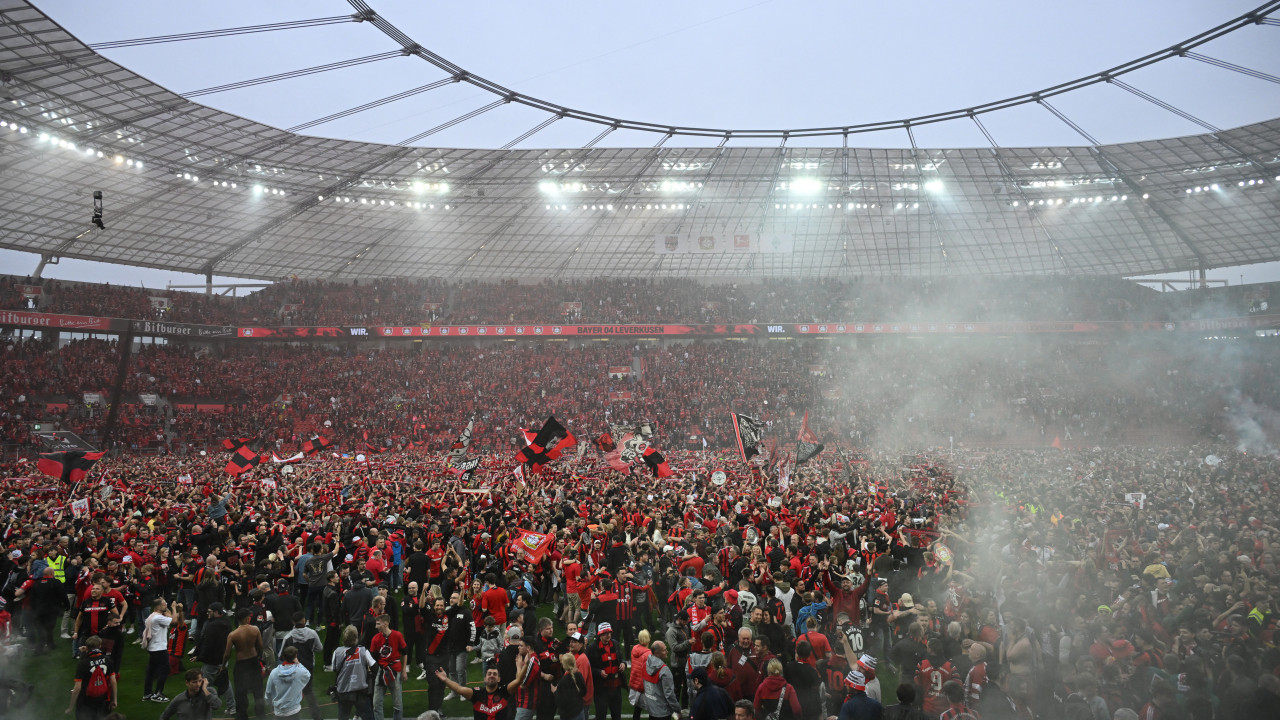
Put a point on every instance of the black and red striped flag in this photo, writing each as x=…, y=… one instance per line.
x=547, y=445
x=70, y=466
x=235, y=443
x=315, y=445
x=243, y=460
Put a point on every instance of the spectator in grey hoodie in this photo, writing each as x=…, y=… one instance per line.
x=659, y=685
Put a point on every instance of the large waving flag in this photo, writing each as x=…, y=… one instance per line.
x=546, y=445
x=747, y=431
x=315, y=445
x=465, y=468
x=531, y=546
x=630, y=443
x=243, y=460
x=459, y=447
x=70, y=466
x=233, y=444
x=807, y=444
x=657, y=463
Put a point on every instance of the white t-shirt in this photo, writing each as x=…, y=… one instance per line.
x=157, y=632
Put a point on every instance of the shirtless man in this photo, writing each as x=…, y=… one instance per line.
x=246, y=641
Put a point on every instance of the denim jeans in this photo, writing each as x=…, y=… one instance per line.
x=380, y=692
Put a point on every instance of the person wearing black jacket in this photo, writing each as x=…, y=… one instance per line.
x=435, y=623
x=281, y=605
x=604, y=607
x=331, y=613
x=411, y=617
x=460, y=637
x=49, y=601
x=213, y=642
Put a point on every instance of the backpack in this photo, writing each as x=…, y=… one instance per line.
x=97, y=687
x=1076, y=708
x=314, y=571
x=306, y=655
x=259, y=620
x=808, y=611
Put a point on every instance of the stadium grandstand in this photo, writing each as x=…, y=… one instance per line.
x=752, y=423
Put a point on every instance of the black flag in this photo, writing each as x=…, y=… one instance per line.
x=748, y=431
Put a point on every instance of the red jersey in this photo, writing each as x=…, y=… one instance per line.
x=931, y=678
x=974, y=682
x=387, y=649
x=494, y=601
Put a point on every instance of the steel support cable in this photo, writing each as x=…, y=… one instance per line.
x=530, y=132
x=295, y=73
x=1021, y=191
x=227, y=32
x=1107, y=165
x=1164, y=105
x=1232, y=66
x=1248, y=19
x=370, y=105
x=460, y=119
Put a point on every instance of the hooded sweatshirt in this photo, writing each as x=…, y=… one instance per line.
x=659, y=689
x=284, y=688
x=766, y=699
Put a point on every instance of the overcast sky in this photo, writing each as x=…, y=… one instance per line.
x=748, y=64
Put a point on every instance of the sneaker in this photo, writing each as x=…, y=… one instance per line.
x=147, y=698
x=450, y=696
x=423, y=675
x=66, y=635
x=475, y=661
x=328, y=668
x=132, y=630
x=159, y=698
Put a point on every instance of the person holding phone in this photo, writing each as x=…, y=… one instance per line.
x=197, y=703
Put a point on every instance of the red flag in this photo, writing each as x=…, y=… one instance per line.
x=531, y=546
x=70, y=466
x=1057, y=442
x=235, y=443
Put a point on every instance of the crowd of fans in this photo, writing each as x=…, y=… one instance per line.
x=1048, y=584
x=398, y=301
x=1003, y=391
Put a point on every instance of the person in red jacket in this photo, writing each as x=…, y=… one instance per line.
x=775, y=694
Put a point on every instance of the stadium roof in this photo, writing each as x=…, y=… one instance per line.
x=195, y=189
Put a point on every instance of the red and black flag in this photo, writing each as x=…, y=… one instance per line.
x=604, y=443
x=243, y=460
x=459, y=447
x=747, y=431
x=70, y=466
x=807, y=444
x=315, y=445
x=657, y=463
x=233, y=444
x=547, y=445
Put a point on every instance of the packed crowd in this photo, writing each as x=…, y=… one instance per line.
x=398, y=301
x=1019, y=584
x=1013, y=391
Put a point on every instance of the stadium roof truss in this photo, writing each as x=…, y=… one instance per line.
x=194, y=189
